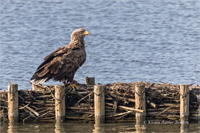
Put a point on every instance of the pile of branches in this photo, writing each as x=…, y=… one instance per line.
x=3, y=106
x=120, y=102
x=194, y=103
x=80, y=103
x=163, y=103
x=37, y=105
x=166, y=98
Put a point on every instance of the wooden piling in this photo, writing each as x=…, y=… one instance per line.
x=116, y=95
x=140, y=103
x=59, y=103
x=99, y=128
x=13, y=104
x=99, y=104
x=13, y=128
x=198, y=115
x=184, y=104
x=89, y=80
x=58, y=127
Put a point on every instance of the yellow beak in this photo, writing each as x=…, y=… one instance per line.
x=86, y=33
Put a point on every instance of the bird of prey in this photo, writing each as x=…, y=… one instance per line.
x=62, y=64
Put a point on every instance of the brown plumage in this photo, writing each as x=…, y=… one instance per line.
x=62, y=64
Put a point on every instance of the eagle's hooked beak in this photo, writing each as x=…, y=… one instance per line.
x=86, y=33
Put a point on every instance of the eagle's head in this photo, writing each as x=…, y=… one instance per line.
x=79, y=34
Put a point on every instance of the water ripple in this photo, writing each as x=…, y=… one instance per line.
x=130, y=40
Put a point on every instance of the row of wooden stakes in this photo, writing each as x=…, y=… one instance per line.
x=99, y=103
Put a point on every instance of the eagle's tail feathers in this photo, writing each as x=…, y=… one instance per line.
x=40, y=81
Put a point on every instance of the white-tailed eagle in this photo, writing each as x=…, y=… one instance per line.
x=62, y=64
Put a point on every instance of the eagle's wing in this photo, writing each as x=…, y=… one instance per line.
x=55, y=65
x=57, y=52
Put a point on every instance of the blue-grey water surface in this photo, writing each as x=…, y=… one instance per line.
x=130, y=40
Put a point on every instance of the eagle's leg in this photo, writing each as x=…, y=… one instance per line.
x=74, y=85
x=65, y=84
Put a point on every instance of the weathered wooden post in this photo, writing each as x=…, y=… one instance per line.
x=13, y=104
x=58, y=127
x=140, y=103
x=99, y=128
x=13, y=128
x=184, y=105
x=99, y=104
x=89, y=80
x=59, y=103
x=199, y=117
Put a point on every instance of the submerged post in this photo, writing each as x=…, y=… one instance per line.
x=89, y=80
x=13, y=104
x=99, y=104
x=59, y=103
x=140, y=103
x=184, y=104
x=199, y=117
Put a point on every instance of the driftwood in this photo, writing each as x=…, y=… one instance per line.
x=30, y=109
x=126, y=108
x=122, y=98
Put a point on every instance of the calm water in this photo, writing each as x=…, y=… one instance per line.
x=91, y=128
x=140, y=40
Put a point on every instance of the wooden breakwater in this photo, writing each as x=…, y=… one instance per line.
x=139, y=102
